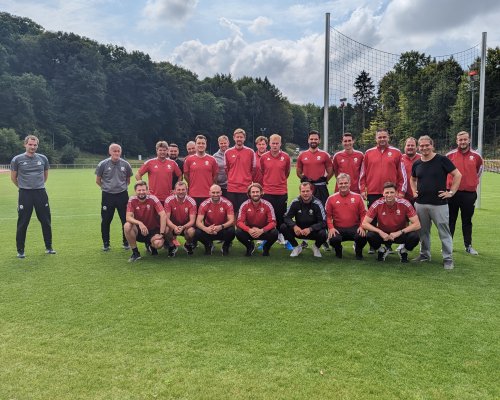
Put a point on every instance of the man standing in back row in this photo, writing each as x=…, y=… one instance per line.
x=29, y=172
x=348, y=162
x=470, y=165
x=240, y=165
x=113, y=177
x=428, y=183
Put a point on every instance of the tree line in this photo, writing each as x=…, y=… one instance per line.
x=76, y=93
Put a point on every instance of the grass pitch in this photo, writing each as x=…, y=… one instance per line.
x=85, y=324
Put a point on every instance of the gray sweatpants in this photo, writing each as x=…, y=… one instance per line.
x=427, y=214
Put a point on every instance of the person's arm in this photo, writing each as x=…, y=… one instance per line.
x=200, y=222
x=402, y=183
x=163, y=222
x=367, y=225
x=191, y=222
x=362, y=180
x=298, y=168
x=186, y=171
x=455, y=183
x=413, y=184
x=288, y=167
x=45, y=175
x=329, y=169
x=320, y=215
x=138, y=175
x=241, y=222
x=130, y=219
x=98, y=180
x=290, y=214
x=13, y=177
x=413, y=226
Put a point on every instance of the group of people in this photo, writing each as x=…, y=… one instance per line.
x=242, y=193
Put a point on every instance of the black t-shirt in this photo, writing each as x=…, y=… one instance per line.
x=431, y=178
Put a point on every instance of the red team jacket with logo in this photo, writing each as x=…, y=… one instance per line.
x=470, y=165
x=380, y=167
x=314, y=164
x=260, y=215
x=201, y=172
x=215, y=213
x=180, y=210
x=146, y=211
x=275, y=171
x=350, y=164
x=391, y=218
x=240, y=166
x=345, y=211
x=160, y=176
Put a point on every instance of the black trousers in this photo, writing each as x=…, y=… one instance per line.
x=237, y=199
x=321, y=193
x=465, y=203
x=278, y=201
x=410, y=240
x=226, y=235
x=319, y=237
x=27, y=200
x=270, y=237
x=349, y=234
x=109, y=203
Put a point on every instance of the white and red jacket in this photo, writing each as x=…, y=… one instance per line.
x=470, y=165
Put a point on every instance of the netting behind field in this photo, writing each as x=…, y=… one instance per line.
x=349, y=57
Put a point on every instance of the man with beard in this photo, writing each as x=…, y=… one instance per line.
x=345, y=211
x=160, y=172
x=256, y=221
x=181, y=217
x=470, y=165
x=348, y=161
x=215, y=221
x=305, y=219
x=240, y=166
x=392, y=215
x=221, y=179
x=113, y=177
x=428, y=183
x=173, y=154
x=146, y=219
x=200, y=171
x=190, y=148
x=409, y=157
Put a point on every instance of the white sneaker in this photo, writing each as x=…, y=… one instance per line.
x=469, y=249
x=281, y=239
x=296, y=251
x=316, y=251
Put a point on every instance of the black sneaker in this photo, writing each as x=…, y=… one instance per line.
x=250, y=249
x=50, y=251
x=359, y=256
x=20, y=254
x=403, y=257
x=154, y=252
x=189, y=249
x=326, y=247
x=265, y=252
x=106, y=247
x=209, y=249
x=338, y=251
x=371, y=250
x=304, y=244
x=225, y=249
x=125, y=246
x=382, y=254
x=172, y=250
x=134, y=257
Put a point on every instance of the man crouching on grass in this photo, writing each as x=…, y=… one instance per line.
x=146, y=221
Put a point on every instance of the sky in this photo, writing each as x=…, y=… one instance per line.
x=283, y=40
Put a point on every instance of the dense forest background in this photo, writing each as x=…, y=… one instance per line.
x=77, y=94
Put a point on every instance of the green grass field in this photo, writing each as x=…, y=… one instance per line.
x=85, y=324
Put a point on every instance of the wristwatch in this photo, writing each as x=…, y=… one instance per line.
x=451, y=192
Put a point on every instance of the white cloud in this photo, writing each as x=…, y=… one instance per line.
x=259, y=25
x=167, y=12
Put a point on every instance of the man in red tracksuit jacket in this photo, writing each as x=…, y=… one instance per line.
x=470, y=165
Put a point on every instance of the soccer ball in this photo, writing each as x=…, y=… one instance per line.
x=157, y=241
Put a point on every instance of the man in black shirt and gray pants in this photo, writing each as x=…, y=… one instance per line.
x=305, y=219
x=113, y=177
x=29, y=172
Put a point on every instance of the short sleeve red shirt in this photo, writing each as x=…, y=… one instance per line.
x=391, y=218
x=201, y=173
x=314, y=164
x=275, y=171
x=345, y=211
x=146, y=211
x=216, y=213
x=240, y=165
x=180, y=211
x=260, y=215
x=160, y=175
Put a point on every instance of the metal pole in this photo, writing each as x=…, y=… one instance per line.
x=343, y=129
x=327, y=81
x=480, y=127
x=472, y=110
